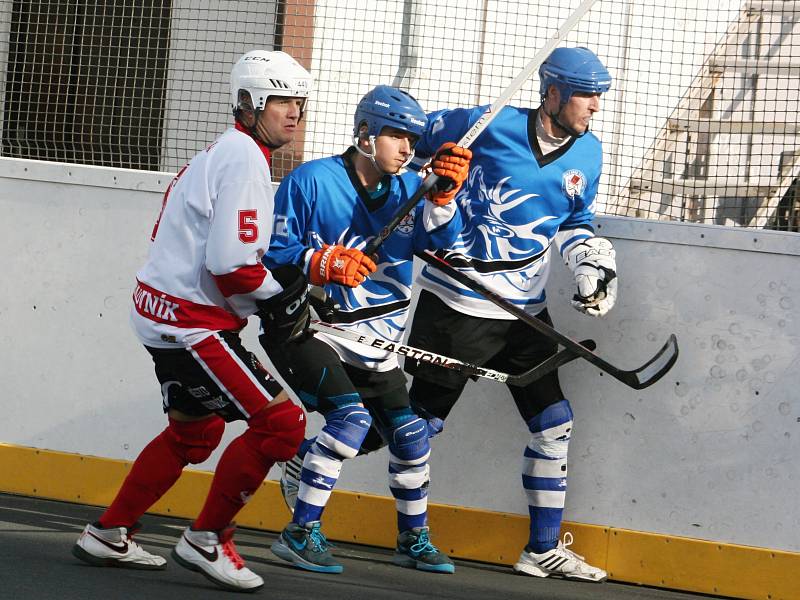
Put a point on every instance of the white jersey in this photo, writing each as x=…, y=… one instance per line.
x=204, y=271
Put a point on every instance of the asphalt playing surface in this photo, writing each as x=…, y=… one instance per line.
x=36, y=563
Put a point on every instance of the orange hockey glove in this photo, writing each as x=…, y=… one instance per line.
x=451, y=164
x=337, y=264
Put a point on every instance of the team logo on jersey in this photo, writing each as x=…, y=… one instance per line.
x=574, y=182
x=406, y=226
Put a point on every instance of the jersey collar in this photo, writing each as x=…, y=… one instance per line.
x=372, y=204
x=533, y=139
x=261, y=145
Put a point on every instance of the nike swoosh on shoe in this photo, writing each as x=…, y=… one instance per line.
x=122, y=547
x=297, y=545
x=209, y=556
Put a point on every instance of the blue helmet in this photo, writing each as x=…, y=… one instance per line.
x=386, y=106
x=573, y=70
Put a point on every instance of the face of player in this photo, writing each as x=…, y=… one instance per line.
x=578, y=110
x=393, y=147
x=277, y=123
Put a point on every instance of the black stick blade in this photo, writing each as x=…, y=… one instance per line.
x=656, y=367
x=549, y=364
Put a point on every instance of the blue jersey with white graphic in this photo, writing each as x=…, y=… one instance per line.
x=517, y=203
x=323, y=202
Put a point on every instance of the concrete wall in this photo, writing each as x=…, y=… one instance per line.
x=708, y=452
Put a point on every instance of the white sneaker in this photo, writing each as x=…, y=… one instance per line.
x=290, y=481
x=559, y=561
x=114, y=547
x=214, y=555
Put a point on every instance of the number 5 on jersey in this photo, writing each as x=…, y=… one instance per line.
x=248, y=225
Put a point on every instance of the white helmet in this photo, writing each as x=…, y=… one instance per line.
x=264, y=74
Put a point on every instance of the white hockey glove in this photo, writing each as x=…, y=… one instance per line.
x=592, y=263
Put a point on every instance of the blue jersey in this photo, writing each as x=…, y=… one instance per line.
x=323, y=202
x=517, y=203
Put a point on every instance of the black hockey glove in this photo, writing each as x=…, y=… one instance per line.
x=285, y=316
x=322, y=304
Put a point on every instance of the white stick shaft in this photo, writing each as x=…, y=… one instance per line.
x=491, y=112
x=409, y=351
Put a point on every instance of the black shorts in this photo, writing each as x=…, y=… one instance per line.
x=319, y=377
x=509, y=346
x=321, y=380
x=217, y=375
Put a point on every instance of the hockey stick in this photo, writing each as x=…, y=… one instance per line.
x=646, y=375
x=522, y=379
x=487, y=117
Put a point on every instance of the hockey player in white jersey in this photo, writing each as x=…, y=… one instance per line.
x=326, y=211
x=203, y=278
x=530, y=196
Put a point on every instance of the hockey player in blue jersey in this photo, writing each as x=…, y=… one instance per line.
x=326, y=211
x=530, y=193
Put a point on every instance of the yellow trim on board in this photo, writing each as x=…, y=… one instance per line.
x=628, y=556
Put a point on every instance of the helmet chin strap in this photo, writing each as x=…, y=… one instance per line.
x=253, y=130
x=557, y=121
x=373, y=153
x=408, y=160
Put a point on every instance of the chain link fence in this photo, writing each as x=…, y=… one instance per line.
x=700, y=125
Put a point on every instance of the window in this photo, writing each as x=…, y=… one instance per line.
x=86, y=82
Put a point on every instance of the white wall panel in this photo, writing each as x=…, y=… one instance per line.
x=708, y=452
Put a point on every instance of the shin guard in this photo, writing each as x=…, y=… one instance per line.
x=341, y=437
x=544, y=474
x=409, y=473
x=273, y=433
x=159, y=465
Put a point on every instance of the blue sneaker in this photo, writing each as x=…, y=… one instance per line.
x=306, y=548
x=415, y=551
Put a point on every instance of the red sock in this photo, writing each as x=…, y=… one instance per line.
x=155, y=470
x=238, y=475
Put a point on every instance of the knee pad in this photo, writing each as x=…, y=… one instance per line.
x=409, y=472
x=194, y=441
x=345, y=429
x=551, y=429
x=276, y=432
x=409, y=442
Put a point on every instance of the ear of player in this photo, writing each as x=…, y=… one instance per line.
x=594, y=267
x=451, y=165
x=337, y=264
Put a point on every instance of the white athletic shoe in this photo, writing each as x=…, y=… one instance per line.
x=214, y=555
x=114, y=547
x=560, y=561
x=290, y=481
